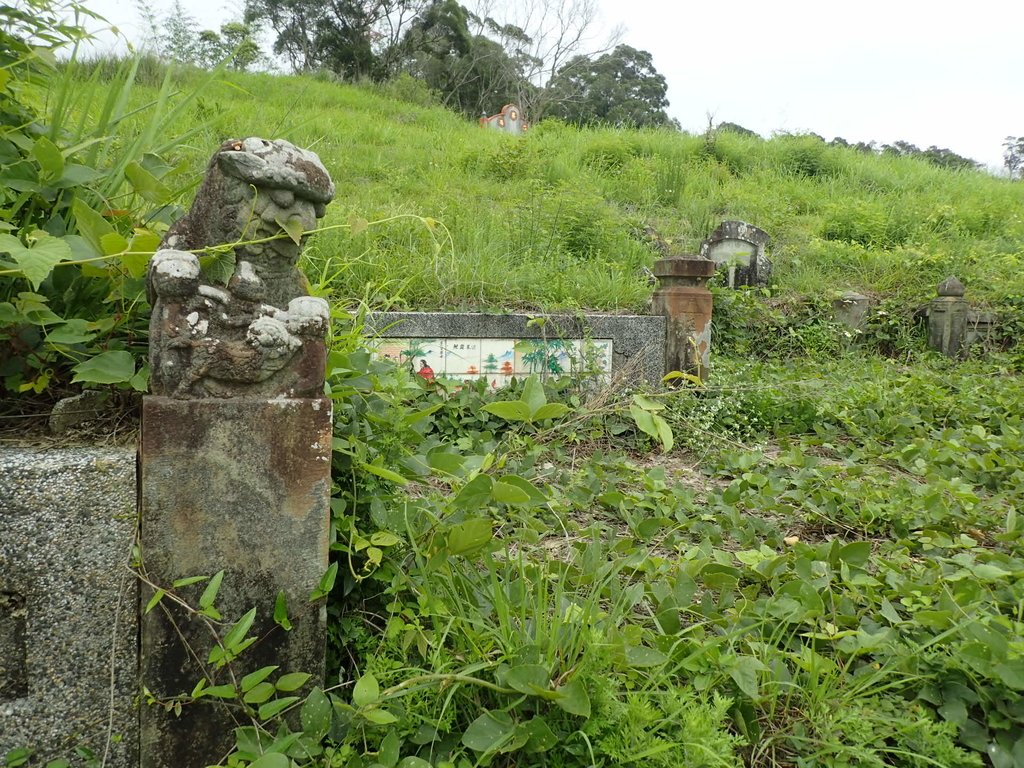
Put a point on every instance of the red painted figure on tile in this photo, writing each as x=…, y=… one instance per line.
x=426, y=372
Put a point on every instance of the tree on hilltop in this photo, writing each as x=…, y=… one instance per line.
x=1013, y=156
x=739, y=130
x=179, y=38
x=352, y=38
x=943, y=158
x=620, y=88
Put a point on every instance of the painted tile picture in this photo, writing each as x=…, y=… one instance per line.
x=497, y=361
x=422, y=356
x=461, y=358
x=457, y=360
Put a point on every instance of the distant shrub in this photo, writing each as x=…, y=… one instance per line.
x=868, y=222
x=806, y=156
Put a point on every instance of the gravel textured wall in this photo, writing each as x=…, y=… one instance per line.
x=68, y=603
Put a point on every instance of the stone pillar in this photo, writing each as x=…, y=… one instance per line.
x=235, y=459
x=240, y=485
x=947, y=318
x=683, y=298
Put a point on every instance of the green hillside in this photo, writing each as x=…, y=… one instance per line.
x=434, y=212
x=569, y=218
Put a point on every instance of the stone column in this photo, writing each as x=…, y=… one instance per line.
x=683, y=298
x=947, y=318
x=240, y=485
x=235, y=459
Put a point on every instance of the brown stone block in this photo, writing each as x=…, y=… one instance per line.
x=240, y=485
x=683, y=298
x=693, y=266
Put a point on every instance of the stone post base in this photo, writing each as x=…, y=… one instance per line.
x=240, y=485
x=947, y=325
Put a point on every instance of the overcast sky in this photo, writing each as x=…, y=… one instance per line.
x=924, y=71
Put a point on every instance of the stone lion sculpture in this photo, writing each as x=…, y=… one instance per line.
x=259, y=335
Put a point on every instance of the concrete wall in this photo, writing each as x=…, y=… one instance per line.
x=68, y=603
x=638, y=341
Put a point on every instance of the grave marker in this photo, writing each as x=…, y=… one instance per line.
x=683, y=298
x=947, y=318
x=739, y=249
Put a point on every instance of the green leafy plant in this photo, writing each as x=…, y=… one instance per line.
x=84, y=204
x=531, y=407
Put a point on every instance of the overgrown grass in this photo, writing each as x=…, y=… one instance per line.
x=561, y=217
x=828, y=575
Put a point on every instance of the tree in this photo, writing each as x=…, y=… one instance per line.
x=434, y=45
x=354, y=38
x=943, y=158
x=181, y=40
x=739, y=130
x=456, y=54
x=619, y=88
x=235, y=43
x=1013, y=156
x=947, y=158
x=540, y=39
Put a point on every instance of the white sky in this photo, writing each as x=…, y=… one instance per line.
x=923, y=71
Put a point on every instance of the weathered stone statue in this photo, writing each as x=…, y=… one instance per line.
x=260, y=335
x=235, y=454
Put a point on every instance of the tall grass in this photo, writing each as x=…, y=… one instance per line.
x=563, y=217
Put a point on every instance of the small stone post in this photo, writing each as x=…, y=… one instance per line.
x=947, y=318
x=683, y=298
x=851, y=309
x=235, y=458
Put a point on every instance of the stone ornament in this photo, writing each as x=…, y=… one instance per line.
x=951, y=286
x=948, y=316
x=260, y=335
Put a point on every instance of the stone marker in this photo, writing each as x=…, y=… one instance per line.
x=68, y=615
x=683, y=298
x=947, y=318
x=71, y=411
x=739, y=248
x=851, y=309
x=981, y=327
x=235, y=459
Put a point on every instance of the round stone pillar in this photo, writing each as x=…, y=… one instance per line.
x=683, y=298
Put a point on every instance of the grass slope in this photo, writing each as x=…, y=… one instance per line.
x=837, y=577
x=567, y=218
